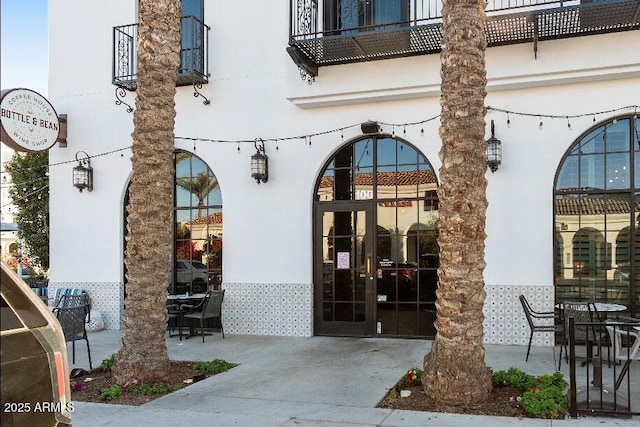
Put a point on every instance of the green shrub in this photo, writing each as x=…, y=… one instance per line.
x=107, y=364
x=212, y=368
x=543, y=396
x=112, y=392
x=515, y=378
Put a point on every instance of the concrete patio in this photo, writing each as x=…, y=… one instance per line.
x=318, y=381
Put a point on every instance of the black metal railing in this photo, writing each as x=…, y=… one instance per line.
x=194, y=47
x=601, y=382
x=330, y=32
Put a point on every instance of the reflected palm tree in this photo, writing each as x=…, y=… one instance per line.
x=200, y=186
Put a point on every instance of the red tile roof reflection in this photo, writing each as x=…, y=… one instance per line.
x=591, y=206
x=214, y=218
x=389, y=178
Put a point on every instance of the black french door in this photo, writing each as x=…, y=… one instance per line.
x=344, y=245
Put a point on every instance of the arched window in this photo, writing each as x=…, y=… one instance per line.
x=197, y=219
x=197, y=226
x=597, y=194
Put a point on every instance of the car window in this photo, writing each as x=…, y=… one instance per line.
x=197, y=264
x=21, y=305
x=8, y=318
x=181, y=265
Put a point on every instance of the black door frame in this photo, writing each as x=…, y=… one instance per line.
x=344, y=328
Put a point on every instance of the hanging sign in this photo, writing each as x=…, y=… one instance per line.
x=29, y=121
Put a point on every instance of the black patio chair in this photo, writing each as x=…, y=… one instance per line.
x=174, y=319
x=539, y=321
x=73, y=320
x=210, y=308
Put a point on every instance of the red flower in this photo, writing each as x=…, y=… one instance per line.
x=534, y=389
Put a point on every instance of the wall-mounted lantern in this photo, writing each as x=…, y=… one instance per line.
x=259, y=163
x=494, y=150
x=83, y=173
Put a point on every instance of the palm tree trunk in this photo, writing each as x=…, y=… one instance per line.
x=455, y=371
x=143, y=354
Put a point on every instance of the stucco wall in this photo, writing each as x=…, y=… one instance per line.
x=256, y=91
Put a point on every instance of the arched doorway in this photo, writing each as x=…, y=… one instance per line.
x=197, y=226
x=597, y=201
x=375, y=221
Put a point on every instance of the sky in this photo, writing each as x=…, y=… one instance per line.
x=24, y=46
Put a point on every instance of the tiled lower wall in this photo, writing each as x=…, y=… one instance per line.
x=106, y=298
x=287, y=309
x=268, y=309
x=504, y=320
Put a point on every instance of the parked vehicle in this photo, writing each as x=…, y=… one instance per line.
x=35, y=370
x=191, y=276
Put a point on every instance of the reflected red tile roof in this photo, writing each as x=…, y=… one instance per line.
x=591, y=206
x=389, y=178
x=215, y=218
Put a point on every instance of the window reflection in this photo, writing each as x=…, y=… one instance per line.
x=197, y=228
x=596, y=258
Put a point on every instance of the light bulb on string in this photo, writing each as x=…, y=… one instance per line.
x=568, y=123
x=277, y=147
x=594, y=118
x=404, y=130
x=508, y=120
x=540, y=125
x=422, y=132
x=238, y=148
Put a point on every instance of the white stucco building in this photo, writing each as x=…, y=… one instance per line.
x=340, y=239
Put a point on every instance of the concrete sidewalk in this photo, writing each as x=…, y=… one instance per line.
x=319, y=381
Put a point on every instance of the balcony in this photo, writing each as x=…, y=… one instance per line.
x=193, y=54
x=331, y=32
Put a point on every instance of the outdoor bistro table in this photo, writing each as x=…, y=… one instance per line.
x=600, y=306
x=185, y=297
x=193, y=299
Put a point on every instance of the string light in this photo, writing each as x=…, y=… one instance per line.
x=308, y=138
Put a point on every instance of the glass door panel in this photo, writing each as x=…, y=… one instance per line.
x=344, y=260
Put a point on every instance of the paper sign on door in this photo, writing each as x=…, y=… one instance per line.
x=344, y=260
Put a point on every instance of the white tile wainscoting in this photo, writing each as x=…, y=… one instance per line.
x=285, y=309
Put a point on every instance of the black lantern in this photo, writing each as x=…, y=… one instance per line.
x=83, y=173
x=494, y=150
x=259, y=163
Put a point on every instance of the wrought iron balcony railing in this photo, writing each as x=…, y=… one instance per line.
x=194, y=49
x=330, y=32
